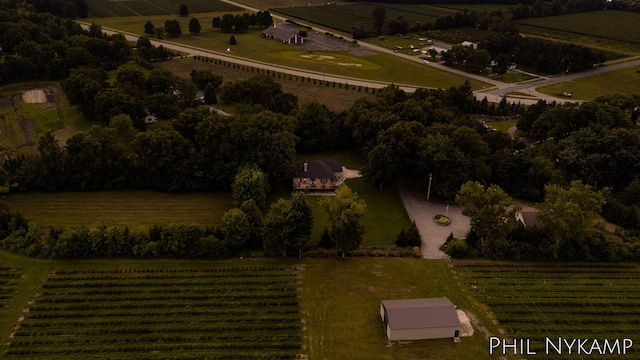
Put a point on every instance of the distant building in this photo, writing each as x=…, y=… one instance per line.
x=469, y=43
x=418, y=319
x=440, y=47
x=527, y=217
x=318, y=175
x=284, y=33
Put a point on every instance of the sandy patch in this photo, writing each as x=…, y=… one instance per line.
x=34, y=97
x=318, y=57
x=350, y=64
x=465, y=323
x=350, y=174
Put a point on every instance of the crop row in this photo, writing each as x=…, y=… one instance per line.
x=220, y=354
x=483, y=265
x=157, y=7
x=291, y=301
x=143, y=295
x=118, y=276
x=169, y=312
x=168, y=291
x=164, y=320
x=240, y=269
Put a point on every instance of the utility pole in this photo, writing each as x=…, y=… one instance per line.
x=429, y=187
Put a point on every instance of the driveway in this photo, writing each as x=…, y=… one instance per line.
x=433, y=235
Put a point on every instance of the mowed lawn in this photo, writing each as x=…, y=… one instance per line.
x=340, y=305
x=120, y=208
x=625, y=81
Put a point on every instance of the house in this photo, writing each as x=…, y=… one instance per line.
x=440, y=47
x=417, y=319
x=285, y=33
x=318, y=175
x=469, y=43
x=527, y=217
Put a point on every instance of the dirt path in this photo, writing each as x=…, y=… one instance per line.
x=433, y=235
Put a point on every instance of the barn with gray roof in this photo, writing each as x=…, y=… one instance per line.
x=418, y=319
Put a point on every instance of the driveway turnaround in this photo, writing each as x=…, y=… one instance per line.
x=433, y=235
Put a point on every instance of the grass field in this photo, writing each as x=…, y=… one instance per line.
x=570, y=300
x=621, y=33
x=121, y=208
x=624, y=81
x=119, y=8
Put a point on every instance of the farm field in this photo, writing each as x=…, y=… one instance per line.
x=30, y=109
x=343, y=17
x=119, y=8
x=623, y=81
x=232, y=309
x=247, y=310
x=620, y=33
x=569, y=300
x=121, y=208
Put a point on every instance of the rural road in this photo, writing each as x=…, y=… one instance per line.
x=433, y=235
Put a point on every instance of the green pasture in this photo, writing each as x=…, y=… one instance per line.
x=610, y=30
x=119, y=8
x=121, y=208
x=623, y=81
x=476, y=7
x=569, y=300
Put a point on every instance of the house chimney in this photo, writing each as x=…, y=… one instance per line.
x=305, y=165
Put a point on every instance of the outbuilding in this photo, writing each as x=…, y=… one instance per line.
x=418, y=319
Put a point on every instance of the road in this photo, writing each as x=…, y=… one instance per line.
x=494, y=91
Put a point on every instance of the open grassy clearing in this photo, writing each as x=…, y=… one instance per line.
x=623, y=81
x=570, y=300
x=121, y=208
x=55, y=114
x=336, y=99
x=117, y=8
x=341, y=301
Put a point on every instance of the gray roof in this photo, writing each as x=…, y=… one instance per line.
x=529, y=217
x=281, y=31
x=443, y=46
x=421, y=313
x=318, y=169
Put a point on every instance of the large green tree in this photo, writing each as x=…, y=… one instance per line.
x=567, y=214
x=250, y=183
x=345, y=211
x=491, y=212
x=287, y=226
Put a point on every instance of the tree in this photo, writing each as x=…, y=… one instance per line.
x=194, y=26
x=226, y=24
x=149, y=28
x=567, y=214
x=172, y=27
x=254, y=217
x=232, y=40
x=490, y=210
x=379, y=15
x=345, y=211
x=236, y=228
x=184, y=10
x=287, y=225
x=240, y=25
x=215, y=22
x=398, y=26
x=201, y=78
x=413, y=236
x=250, y=183
x=210, y=94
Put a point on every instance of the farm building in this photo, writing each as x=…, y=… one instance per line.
x=318, y=175
x=285, y=33
x=418, y=319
